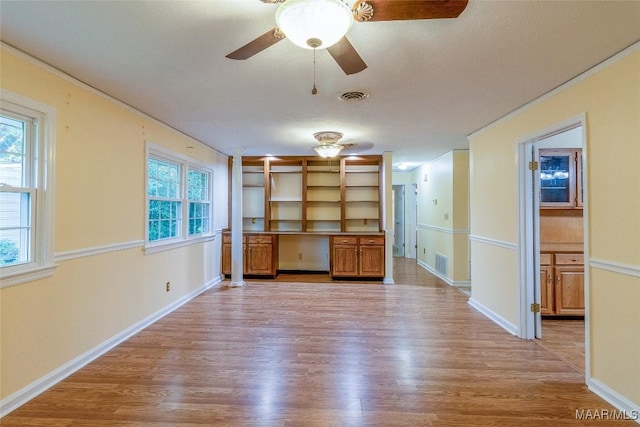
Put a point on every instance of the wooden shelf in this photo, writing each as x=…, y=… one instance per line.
x=309, y=194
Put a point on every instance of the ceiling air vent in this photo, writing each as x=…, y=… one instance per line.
x=354, y=95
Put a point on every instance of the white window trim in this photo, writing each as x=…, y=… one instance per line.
x=197, y=168
x=43, y=256
x=186, y=163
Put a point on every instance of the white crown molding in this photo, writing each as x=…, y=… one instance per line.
x=615, y=267
x=590, y=72
x=493, y=242
x=69, y=78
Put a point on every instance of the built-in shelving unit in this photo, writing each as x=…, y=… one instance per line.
x=312, y=195
x=361, y=195
x=285, y=196
x=253, y=194
x=307, y=201
x=323, y=196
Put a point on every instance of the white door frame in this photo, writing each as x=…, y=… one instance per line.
x=529, y=238
x=399, y=205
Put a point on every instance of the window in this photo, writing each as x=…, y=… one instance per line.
x=199, y=205
x=26, y=189
x=163, y=189
x=177, y=188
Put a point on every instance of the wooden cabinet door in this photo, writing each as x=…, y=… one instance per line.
x=260, y=259
x=371, y=261
x=561, y=179
x=344, y=260
x=547, y=294
x=226, y=258
x=569, y=290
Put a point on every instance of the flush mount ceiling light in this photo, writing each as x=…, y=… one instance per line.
x=314, y=24
x=328, y=140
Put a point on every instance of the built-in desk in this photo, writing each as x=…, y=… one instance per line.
x=354, y=254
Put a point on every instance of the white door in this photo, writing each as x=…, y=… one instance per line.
x=398, y=224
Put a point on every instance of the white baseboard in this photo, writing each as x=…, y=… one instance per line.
x=496, y=318
x=447, y=280
x=42, y=384
x=627, y=408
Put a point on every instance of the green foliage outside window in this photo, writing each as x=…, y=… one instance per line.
x=9, y=252
x=164, y=181
x=11, y=141
x=12, y=173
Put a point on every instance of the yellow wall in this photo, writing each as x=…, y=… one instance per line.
x=610, y=99
x=100, y=201
x=443, y=213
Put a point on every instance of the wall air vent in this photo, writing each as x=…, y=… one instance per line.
x=354, y=95
x=441, y=264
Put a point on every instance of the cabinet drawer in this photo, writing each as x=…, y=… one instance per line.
x=260, y=238
x=545, y=259
x=344, y=240
x=226, y=238
x=570, y=259
x=372, y=241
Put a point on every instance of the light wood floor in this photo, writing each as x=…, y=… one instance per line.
x=565, y=339
x=322, y=354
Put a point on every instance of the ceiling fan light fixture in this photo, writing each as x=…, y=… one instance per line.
x=309, y=22
x=328, y=150
x=329, y=146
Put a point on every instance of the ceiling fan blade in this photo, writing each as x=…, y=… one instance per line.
x=405, y=10
x=347, y=57
x=269, y=38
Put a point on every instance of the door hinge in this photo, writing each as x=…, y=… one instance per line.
x=535, y=307
x=533, y=166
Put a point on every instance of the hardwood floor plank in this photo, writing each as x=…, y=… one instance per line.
x=277, y=353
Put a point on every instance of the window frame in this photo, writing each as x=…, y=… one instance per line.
x=186, y=164
x=40, y=153
x=206, y=200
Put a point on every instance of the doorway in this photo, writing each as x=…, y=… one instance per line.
x=398, y=221
x=553, y=230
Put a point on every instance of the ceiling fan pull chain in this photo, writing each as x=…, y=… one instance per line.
x=314, y=91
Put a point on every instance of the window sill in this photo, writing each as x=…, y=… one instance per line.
x=161, y=247
x=30, y=275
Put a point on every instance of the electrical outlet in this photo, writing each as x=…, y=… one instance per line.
x=168, y=286
x=299, y=256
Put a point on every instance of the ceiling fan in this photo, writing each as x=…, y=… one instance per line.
x=297, y=20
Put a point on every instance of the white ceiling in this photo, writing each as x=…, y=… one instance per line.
x=431, y=82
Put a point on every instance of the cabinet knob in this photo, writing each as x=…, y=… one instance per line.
x=573, y=259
